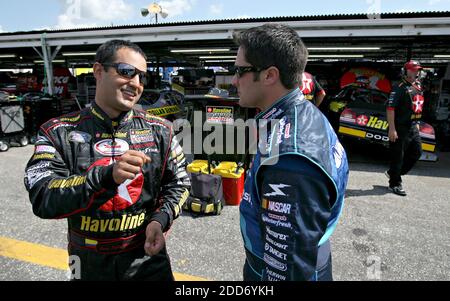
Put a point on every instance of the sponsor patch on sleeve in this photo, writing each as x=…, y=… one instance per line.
x=44, y=149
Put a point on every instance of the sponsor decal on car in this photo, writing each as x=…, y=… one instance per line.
x=377, y=137
x=220, y=115
x=376, y=123
x=164, y=111
x=362, y=120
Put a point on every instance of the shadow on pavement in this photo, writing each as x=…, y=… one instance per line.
x=376, y=190
x=375, y=158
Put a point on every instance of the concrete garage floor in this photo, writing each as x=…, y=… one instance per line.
x=380, y=236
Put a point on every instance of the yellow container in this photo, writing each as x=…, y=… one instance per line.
x=198, y=166
x=232, y=182
x=227, y=170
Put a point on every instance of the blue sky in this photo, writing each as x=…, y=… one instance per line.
x=26, y=15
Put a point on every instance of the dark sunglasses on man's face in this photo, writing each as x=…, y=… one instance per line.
x=128, y=71
x=241, y=70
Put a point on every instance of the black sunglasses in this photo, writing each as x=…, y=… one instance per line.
x=241, y=70
x=128, y=71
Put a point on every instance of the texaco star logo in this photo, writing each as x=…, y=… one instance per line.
x=418, y=104
x=307, y=85
x=362, y=120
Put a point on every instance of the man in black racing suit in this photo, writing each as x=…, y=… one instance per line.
x=404, y=111
x=117, y=175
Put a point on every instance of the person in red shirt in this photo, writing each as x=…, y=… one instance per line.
x=311, y=89
x=404, y=110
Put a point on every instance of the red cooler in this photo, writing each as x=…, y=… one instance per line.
x=232, y=182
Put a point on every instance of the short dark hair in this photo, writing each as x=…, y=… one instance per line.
x=106, y=53
x=275, y=45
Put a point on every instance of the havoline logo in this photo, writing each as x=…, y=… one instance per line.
x=376, y=123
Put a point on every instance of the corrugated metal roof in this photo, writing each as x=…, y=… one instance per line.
x=430, y=14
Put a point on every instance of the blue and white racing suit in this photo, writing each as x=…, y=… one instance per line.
x=294, y=193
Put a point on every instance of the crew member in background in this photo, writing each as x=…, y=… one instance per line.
x=312, y=90
x=404, y=110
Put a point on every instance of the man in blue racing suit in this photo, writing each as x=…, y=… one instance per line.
x=295, y=188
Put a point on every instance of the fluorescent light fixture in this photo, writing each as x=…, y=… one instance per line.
x=4, y=56
x=219, y=57
x=206, y=50
x=219, y=61
x=442, y=56
x=19, y=70
x=78, y=53
x=342, y=48
x=332, y=56
x=54, y=61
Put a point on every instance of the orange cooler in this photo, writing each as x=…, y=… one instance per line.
x=232, y=181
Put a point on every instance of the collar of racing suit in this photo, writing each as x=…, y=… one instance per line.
x=103, y=120
x=280, y=106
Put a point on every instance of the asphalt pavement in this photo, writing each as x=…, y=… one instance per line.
x=380, y=236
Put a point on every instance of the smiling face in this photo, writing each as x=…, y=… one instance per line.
x=115, y=93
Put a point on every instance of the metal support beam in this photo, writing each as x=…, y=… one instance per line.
x=39, y=53
x=55, y=53
x=408, y=53
x=46, y=52
x=158, y=78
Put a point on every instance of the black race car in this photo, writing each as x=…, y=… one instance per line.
x=163, y=103
x=364, y=118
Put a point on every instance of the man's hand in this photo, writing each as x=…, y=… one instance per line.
x=129, y=165
x=392, y=135
x=154, y=238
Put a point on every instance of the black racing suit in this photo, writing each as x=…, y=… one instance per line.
x=406, y=100
x=70, y=176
